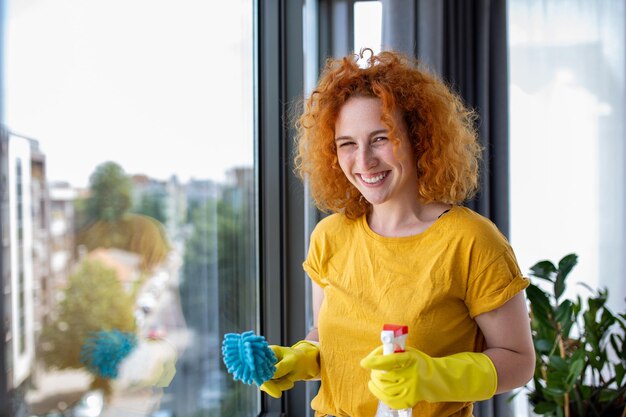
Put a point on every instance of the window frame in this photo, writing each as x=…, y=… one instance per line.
x=279, y=75
x=288, y=63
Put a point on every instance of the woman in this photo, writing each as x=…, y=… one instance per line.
x=392, y=153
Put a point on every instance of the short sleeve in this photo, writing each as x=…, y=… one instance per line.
x=496, y=284
x=313, y=264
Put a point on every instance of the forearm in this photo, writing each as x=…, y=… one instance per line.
x=514, y=369
x=509, y=343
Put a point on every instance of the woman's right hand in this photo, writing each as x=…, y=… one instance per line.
x=296, y=363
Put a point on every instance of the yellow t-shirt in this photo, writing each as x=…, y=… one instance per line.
x=435, y=282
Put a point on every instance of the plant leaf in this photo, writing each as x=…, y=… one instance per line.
x=544, y=408
x=564, y=310
x=543, y=345
x=559, y=363
x=565, y=267
x=539, y=301
x=544, y=270
x=565, y=316
x=619, y=347
x=559, y=411
x=575, y=369
x=579, y=354
x=559, y=287
x=567, y=264
x=620, y=371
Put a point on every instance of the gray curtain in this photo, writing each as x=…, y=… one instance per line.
x=465, y=42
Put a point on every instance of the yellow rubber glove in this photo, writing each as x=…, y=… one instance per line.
x=296, y=363
x=401, y=380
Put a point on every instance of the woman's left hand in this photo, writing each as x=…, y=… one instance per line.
x=401, y=380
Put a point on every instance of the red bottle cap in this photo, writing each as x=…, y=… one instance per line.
x=398, y=330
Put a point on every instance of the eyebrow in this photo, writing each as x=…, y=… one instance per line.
x=373, y=133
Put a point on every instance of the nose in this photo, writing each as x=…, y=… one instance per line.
x=366, y=158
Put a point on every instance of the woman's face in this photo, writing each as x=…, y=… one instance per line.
x=366, y=154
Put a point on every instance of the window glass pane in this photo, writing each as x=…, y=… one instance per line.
x=129, y=217
x=368, y=25
x=567, y=138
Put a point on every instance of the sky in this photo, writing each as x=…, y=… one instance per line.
x=159, y=89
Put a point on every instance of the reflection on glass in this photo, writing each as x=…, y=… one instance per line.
x=129, y=222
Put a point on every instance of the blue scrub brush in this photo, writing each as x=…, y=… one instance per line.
x=248, y=357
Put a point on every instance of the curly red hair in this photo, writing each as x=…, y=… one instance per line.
x=439, y=125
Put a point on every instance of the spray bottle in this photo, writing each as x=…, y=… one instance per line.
x=394, y=340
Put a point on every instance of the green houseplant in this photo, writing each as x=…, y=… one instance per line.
x=579, y=345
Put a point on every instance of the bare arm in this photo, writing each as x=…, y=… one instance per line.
x=509, y=343
x=318, y=297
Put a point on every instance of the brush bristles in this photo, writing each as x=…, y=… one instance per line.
x=248, y=357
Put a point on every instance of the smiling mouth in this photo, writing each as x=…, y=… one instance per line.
x=374, y=179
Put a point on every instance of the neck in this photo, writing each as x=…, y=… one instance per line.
x=404, y=220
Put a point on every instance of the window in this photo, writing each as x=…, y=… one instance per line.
x=136, y=122
x=567, y=138
x=368, y=25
